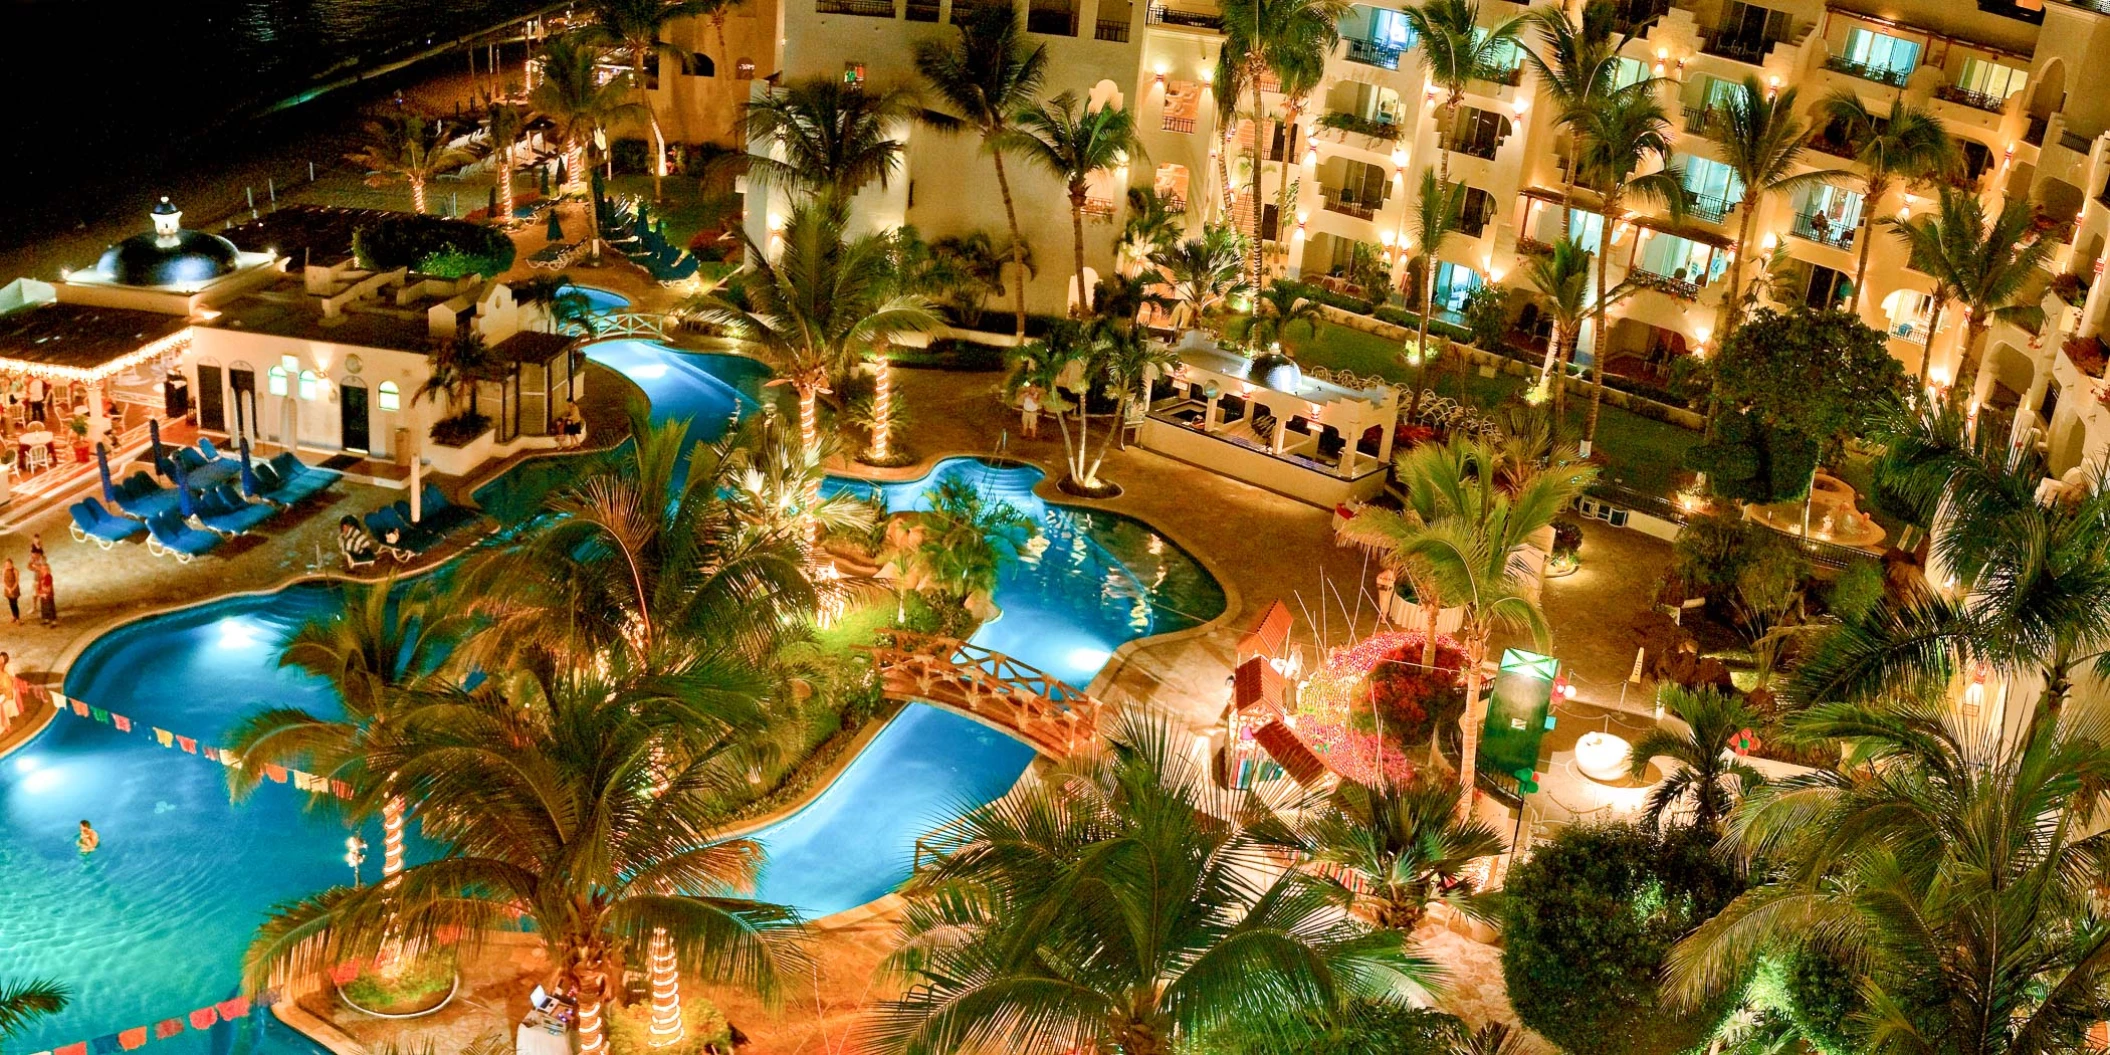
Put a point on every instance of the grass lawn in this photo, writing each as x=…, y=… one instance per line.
x=687, y=209
x=1645, y=454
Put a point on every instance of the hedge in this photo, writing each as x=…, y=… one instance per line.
x=433, y=245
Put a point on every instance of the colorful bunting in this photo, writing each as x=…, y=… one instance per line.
x=79, y=1047
x=106, y=1044
x=190, y=746
x=235, y=1008
x=167, y=1027
x=123, y=724
x=276, y=773
x=279, y=774
x=203, y=1018
x=101, y=716
x=167, y=739
x=80, y=708
x=133, y=1039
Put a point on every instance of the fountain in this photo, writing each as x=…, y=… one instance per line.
x=1832, y=515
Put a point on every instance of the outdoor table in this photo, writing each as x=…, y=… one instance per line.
x=1602, y=757
x=39, y=438
x=541, y=1034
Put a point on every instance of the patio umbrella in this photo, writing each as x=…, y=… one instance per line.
x=248, y=474
x=556, y=228
x=161, y=464
x=183, y=500
x=102, y=462
x=641, y=214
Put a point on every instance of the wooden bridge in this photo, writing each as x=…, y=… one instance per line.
x=1044, y=711
x=625, y=324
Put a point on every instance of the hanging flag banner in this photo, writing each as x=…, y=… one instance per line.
x=190, y=745
x=136, y=1037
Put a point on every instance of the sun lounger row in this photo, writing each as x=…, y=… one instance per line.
x=168, y=535
x=201, y=471
x=286, y=480
x=224, y=510
x=93, y=521
x=138, y=495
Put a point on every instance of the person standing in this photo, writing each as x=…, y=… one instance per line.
x=1029, y=411
x=11, y=585
x=47, y=597
x=36, y=398
x=36, y=549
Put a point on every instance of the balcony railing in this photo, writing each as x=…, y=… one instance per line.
x=1373, y=53
x=1173, y=203
x=1533, y=247
x=2075, y=141
x=1160, y=15
x=1178, y=124
x=1339, y=121
x=1709, y=207
x=1822, y=229
x=1114, y=29
x=1703, y=120
x=1510, y=75
x=1479, y=147
x=1099, y=208
x=1741, y=49
x=1681, y=288
x=868, y=8
x=1913, y=330
x=1348, y=205
x=1867, y=71
x=1980, y=100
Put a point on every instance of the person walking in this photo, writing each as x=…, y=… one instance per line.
x=47, y=597
x=36, y=397
x=1029, y=412
x=11, y=585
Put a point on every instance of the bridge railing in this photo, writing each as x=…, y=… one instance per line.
x=1049, y=713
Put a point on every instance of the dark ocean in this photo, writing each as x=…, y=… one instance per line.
x=107, y=100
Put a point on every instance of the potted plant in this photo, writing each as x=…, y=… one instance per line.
x=79, y=425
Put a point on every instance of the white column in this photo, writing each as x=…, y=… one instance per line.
x=98, y=414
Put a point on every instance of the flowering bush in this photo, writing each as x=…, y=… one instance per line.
x=1411, y=700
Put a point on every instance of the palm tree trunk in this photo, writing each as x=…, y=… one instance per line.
x=1018, y=248
x=1927, y=349
x=1733, y=307
x=809, y=442
x=659, y=142
x=664, y=987
x=1443, y=139
x=1069, y=451
x=593, y=1035
x=505, y=184
x=1570, y=338
x=1431, y=601
x=417, y=195
x=392, y=812
x=1876, y=189
x=883, y=410
x=1084, y=295
x=1428, y=298
x=1259, y=129
x=1091, y=476
x=1597, y=331
x=1973, y=360
x=1291, y=108
x=1469, y=729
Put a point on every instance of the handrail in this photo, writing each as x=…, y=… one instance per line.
x=1047, y=712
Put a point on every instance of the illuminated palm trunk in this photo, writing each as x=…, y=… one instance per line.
x=810, y=442
x=593, y=1032
x=1469, y=727
x=505, y=185
x=883, y=410
x=417, y=196
x=391, y=837
x=666, y=991
x=575, y=166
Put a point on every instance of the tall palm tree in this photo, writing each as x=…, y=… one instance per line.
x=1906, y=145
x=835, y=137
x=1151, y=225
x=1578, y=65
x=635, y=26
x=375, y=650
x=983, y=79
x=1439, y=211
x=1618, y=136
x=1202, y=272
x=579, y=107
x=1765, y=145
x=503, y=125
x=1711, y=782
x=584, y=808
x=1277, y=311
x=1074, y=141
x=1561, y=278
x=1950, y=871
x=1984, y=266
x=1456, y=50
x=1128, y=904
x=407, y=148
x=1397, y=848
x=1289, y=39
x=1468, y=516
x=813, y=310
x=24, y=1002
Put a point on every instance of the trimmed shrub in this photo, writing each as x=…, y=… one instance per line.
x=460, y=429
x=630, y=1028
x=433, y=245
x=1587, y=923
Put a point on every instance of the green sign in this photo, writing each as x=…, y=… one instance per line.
x=1519, y=711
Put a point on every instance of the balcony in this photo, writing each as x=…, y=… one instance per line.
x=1966, y=97
x=1509, y=75
x=2034, y=134
x=1099, y=208
x=1173, y=204
x=1052, y=19
x=867, y=8
x=1174, y=123
x=1160, y=15
x=1681, y=288
x=1739, y=48
x=1912, y=330
x=1822, y=229
x=1373, y=53
x=1895, y=78
x=1348, y=204
x=1113, y=29
x=1530, y=246
x=1703, y=121
x=1336, y=121
x=1709, y=207
x=1483, y=147
x=923, y=10
x=1635, y=16
x=2076, y=142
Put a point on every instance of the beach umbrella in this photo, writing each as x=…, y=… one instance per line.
x=248, y=474
x=641, y=214
x=542, y=180
x=161, y=464
x=102, y=463
x=556, y=227
x=183, y=500
x=562, y=176
x=491, y=211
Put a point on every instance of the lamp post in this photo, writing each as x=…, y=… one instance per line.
x=355, y=855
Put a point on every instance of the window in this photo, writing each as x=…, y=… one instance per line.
x=1480, y=132
x=311, y=386
x=1826, y=287
x=1629, y=71
x=1714, y=187
x=744, y=69
x=277, y=377
x=1890, y=59
x=1681, y=259
x=1453, y=283
x=391, y=396
x=1841, y=207
x=1990, y=79
x=1587, y=228
x=1475, y=210
x=1389, y=29
x=1504, y=59
x=700, y=65
x=1722, y=91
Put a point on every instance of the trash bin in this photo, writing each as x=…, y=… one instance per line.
x=399, y=446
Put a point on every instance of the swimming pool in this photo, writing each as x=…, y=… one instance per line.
x=602, y=301
x=153, y=925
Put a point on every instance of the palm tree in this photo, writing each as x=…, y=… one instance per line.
x=835, y=137
x=966, y=541
x=1289, y=39
x=1908, y=144
x=1712, y=782
x=1202, y=272
x=1125, y=904
x=503, y=125
x=1439, y=211
x=1562, y=280
x=635, y=26
x=407, y=148
x=1578, y=65
x=985, y=78
x=1281, y=308
x=1764, y=144
x=1618, y=136
x=1948, y=870
x=1984, y=266
x=1398, y=847
x=375, y=651
x=1151, y=226
x=1456, y=50
x=453, y=368
x=24, y=1002
x=584, y=808
x=1127, y=360
x=1074, y=142
x=1468, y=515
x=571, y=96
x=813, y=310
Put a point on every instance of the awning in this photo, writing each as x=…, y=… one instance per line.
x=1290, y=753
x=1269, y=634
x=1255, y=683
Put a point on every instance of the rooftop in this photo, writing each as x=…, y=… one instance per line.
x=81, y=341
x=533, y=346
x=304, y=234
x=286, y=309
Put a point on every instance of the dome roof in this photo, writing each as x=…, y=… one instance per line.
x=182, y=258
x=1277, y=371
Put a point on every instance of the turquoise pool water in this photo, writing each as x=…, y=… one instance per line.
x=153, y=925
x=602, y=301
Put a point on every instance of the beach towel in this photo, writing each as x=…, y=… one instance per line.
x=133, y=1039
x=168, y=739
x=167, y=1027
x=203, y=1018
x=78, y=1047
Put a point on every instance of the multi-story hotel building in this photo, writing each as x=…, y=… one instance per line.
x=2008, y=79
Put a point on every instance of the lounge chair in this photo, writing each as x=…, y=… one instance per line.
x=353, y=541
x=395, y=530
x=92, y=521
x=221, y=509
x=295, y=481
x=167, y=534
x=200, y=471
x=141, y=497
x=429, y=526
x=443, y=515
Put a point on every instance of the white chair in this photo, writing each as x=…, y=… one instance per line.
x=39, y=458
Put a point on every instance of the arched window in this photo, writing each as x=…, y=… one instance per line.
x=700, y=65
x=391, y=397
x=310, y=385
x=277, y=374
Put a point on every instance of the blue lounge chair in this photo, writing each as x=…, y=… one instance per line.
x=201, y=472
x=298, y=481
x=441, y=514
x=221, y=510
x=91, y=520
x=399, y=533
x=167, y=534
x=427, y=528
x=141, y=497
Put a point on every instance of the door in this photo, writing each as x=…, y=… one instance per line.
x=351, y=402
x=243, y=380
x=212, y=405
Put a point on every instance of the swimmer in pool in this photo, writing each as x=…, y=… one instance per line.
x=89, y=839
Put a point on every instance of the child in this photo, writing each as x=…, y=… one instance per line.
x=89, y=839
